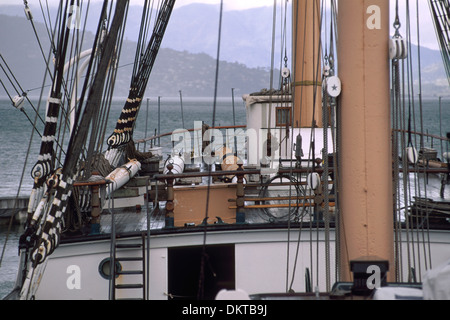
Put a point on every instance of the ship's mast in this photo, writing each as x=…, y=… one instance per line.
x=307, y=75
x=366, y=201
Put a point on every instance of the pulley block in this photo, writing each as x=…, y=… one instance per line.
x=398, y=48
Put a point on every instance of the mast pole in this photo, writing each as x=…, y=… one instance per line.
x=366, y=223
x=307, y=71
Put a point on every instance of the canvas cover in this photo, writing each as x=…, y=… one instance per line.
x=436, y=283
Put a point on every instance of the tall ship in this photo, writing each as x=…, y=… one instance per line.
x=327, y=192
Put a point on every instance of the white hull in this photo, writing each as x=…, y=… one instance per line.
x=260, y=262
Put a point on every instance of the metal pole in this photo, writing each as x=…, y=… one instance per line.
x=159, y=121
x=234, y=122
x=234, y=114
x=146, y=126
x=440, y=125
x=182, y=113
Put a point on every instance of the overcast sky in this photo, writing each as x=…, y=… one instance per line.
x=427, y=33
x=427, y=36
x=228, y=4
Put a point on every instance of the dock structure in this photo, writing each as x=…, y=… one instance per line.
x=13, y=207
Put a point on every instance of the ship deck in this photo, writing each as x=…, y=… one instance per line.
x=129, y=223
x=282, y=205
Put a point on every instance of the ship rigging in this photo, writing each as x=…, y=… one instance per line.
x=329, y=179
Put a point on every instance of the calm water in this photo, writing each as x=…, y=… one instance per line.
x=16, y=129
x=8, y=268
x=15, y=132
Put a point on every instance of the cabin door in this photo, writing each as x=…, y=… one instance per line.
x=184, y=265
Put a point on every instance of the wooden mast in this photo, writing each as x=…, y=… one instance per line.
x=366, y=201
x=307, y=82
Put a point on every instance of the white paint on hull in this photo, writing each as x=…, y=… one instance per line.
x=260, y=258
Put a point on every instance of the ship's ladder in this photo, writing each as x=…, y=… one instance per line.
x=128, y=276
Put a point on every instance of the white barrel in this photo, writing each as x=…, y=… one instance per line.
x=119, y=177
x=177, y=163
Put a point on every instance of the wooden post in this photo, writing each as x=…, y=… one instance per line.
x=240, y=194
x=170, y=220
x=96, y=209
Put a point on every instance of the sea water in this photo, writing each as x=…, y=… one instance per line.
x=19, y=146
x=9, y=239
x=18, y=155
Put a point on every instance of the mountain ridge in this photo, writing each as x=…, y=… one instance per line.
x=245, y=51
x=173, y=70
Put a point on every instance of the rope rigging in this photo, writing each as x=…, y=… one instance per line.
x=29, y=16
x=411, y=227
x=204, y=256
x=125, y=125
x=440, y=11
x=325, y=56
x=43, y=168
x=19, y=99
x=44, y=228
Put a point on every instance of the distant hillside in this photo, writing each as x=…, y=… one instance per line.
x=194, y=74
x=246, y=36
x=186, y=61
